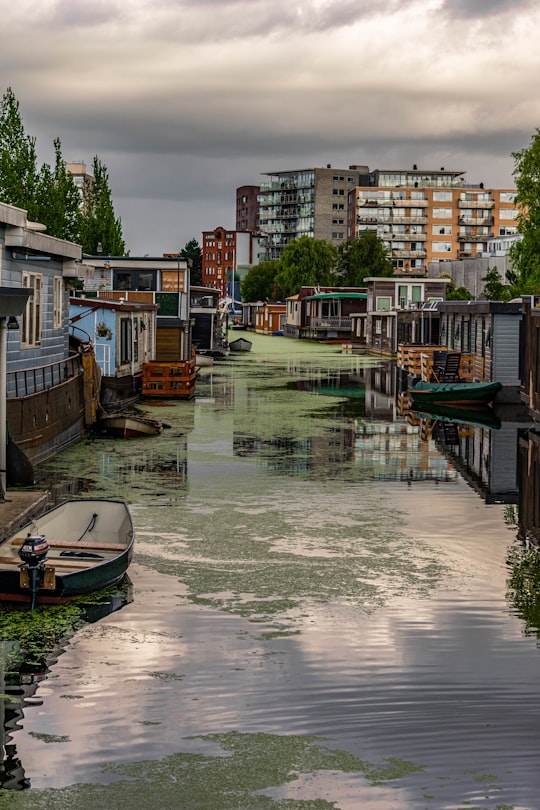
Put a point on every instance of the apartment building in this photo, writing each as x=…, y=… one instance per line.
x=305, y=202
x=429, y=216
x=247, y=208
x=227, y=256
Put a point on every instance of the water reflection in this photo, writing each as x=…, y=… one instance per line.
x=26, y=659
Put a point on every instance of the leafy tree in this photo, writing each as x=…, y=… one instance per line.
x=192, y=250
x=306, y=261
x=525, y=254
x=362, y=257
x=259, y=283
x=18, y=172
x=58, y=199
x=100, y=224
x=494, y=289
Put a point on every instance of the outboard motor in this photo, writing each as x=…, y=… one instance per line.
x=34, y=550
x=33, y=554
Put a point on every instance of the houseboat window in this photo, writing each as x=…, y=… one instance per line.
x=58, y=301
x=122, y=281
x=144, y=281
x=125, y=340
x=31, y=320
x=383, y=303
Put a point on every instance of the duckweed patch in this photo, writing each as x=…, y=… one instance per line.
x=49, y=738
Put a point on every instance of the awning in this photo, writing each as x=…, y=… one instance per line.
x=328, y=296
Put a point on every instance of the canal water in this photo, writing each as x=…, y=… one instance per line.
x=323, y=612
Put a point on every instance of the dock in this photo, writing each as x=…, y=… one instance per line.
x=18, y=508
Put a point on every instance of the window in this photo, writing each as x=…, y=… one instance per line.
x=445, y=230
x=58, y=301
x=337, y=234
x=125, y=340
x=383, y=303
x=31, y=320
x=442, y=196
x=338, y=177
x=338, y=221
x=442, y=213
x=508, y=196
x=378, y=326
x=338, y=207
x=338, y=192
x=442, y=247
x=508, y=213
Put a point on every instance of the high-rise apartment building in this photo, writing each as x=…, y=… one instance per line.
x=305, y=202
x=426, y=216
x=421, y=216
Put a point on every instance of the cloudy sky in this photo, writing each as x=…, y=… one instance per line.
x=185, y=100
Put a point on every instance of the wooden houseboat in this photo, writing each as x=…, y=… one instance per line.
x=323, y=313
x=270, y=318
x=49, y=397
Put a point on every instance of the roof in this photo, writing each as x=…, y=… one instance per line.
x=326, y=296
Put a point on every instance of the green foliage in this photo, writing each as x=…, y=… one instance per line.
x=525, y=254
x=58, y=199
x=50, y=195
x=306, y=262
x=192, y=250
x=360, y=258
x=494, y=289
x=18, y=172
x=99, y=223
x=259, y=283
x=454, y=293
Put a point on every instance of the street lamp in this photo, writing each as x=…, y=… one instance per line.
x=12, y=304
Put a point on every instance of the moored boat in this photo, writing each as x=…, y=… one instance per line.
x=240, y=345
x=75, y=548
x=130, y=426
x=454, y=393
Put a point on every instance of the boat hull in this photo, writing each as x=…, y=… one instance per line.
x=91, y=546
x=424, y=393
x=240, y=345
x=131, y=427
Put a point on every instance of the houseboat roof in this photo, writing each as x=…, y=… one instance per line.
x=325, y=296
x=112, y=303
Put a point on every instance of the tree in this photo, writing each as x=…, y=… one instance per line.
x=18, y=172
x=259, y=284
x=58, y=199
x=100, y=225
x=525, y=254
x=306, y=262
x=494, y=289
x=192, y=250
x=362, y=257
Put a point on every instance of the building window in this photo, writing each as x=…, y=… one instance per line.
x=31, y=320
x=338, y=192
x=444, y=230
x=508, y=213
x=58, y=301
x=442, y=213
x=338, y=207
x=508, y=196
x=383, y=303
x=337, y=234
x=442, y=247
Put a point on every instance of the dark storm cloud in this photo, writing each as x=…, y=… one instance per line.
x=477, y=9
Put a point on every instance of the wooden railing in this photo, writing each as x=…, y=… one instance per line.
x=32, y=380
x=418, y=361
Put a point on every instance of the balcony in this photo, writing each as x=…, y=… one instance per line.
x=332, y=322
x=476, y=203
x=475, y=221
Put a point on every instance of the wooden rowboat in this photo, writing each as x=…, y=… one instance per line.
x=76, y=548
x=130, y=426
x=454, y=393
x=240, y=345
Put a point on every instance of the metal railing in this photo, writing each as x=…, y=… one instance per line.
x=32, y=380
x=331, y=323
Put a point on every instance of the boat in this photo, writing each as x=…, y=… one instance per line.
x=202, y=360
x=240, y=345
x=481, y=415
x=130, y=425
x=454, y=392
x=75, y=548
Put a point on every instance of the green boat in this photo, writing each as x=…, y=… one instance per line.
x=454, y=393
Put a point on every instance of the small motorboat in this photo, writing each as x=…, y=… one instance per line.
x=130, y=425
x=241, y=344
x=75, y=548
x=454, y=393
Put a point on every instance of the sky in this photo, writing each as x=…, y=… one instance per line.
x=185, y=100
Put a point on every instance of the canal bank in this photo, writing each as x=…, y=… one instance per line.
x=18, y=508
